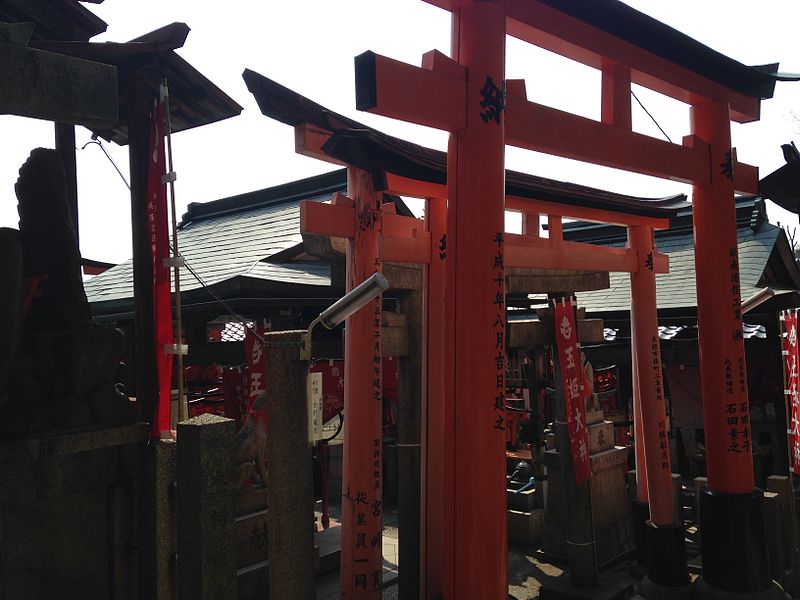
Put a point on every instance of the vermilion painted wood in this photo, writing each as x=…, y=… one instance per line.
x=638, y=431
x=544, y=129
x=583, y=213
x=650, y=380
x=615, y=97
x=327, y=219
x=397, y=94
x=308, y=141
x=437, y=521
x=404, y=241
x=476, y=556
x=542, y=253
x=553, y=30
x=361, y=546
x=729, y=463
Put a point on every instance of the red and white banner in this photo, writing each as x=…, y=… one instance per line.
x=254, y=351
x=159, y=251
x=576, y=388
x=790, y=365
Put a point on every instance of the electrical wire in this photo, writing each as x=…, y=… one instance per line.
x=108, y=156
x=651, y=116
x=185, y=262
x=222, y=303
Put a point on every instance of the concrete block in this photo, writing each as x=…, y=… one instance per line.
x=608, y=458
x=594, y=416
x=601, y=436
x=525, y=528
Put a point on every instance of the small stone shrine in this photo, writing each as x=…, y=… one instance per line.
x=610, y=508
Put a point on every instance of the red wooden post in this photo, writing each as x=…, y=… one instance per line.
x=638, y=431
x=719, y=317
x=361, y=559
x=664, y=540
x=476, y=555
x=436, y=521
x=650, y=381
x=734, y=557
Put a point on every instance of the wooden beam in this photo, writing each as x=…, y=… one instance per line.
x=405, y=186
x=583, y=213
x=327, y=219
x=543, y=129
x=308, y=141
x=416, y=250
x=535, y=22
x=541, y=253
x=395, y=89
x=542, y=281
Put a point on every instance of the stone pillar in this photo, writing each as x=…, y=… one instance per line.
x=290, y=490
x=206, y=533
x=157, y=535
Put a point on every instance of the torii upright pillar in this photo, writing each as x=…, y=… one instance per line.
x=477, y=556
x=362, y=558
x=733, y=543
x=666, y=557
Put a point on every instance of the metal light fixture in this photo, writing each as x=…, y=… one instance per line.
x=347, y=305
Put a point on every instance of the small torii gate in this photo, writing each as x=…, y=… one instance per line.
x=377, y=236
x=371, y=232
x=469, y=96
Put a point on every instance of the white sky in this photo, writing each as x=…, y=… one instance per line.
x=309, y=45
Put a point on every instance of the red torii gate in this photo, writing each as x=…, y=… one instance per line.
x=469, y=97
x=402, y=239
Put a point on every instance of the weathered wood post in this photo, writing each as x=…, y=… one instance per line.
x=206, y=532
x=290, y=492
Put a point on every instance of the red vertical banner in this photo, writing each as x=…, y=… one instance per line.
x=254, y=350
x=576, y=388
x=790, y=364
x=159, y=253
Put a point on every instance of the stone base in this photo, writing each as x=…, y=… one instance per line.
x=613, y=527
x=701, y=590
x=525, y=528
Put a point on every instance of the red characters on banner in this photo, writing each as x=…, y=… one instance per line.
x=576, y=388
x=254, y=350
x=159, y=252
x=790, y=359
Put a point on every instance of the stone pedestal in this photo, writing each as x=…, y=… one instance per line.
x=68, y=515
x=612, y=524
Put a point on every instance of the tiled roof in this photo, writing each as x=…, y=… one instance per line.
x=228, y=244
x=676, y=289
